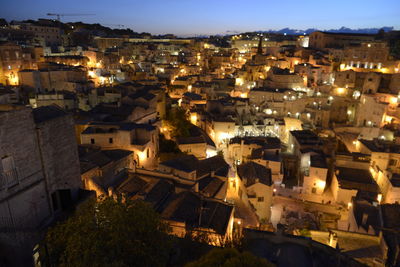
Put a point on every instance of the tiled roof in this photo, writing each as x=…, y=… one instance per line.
x=252, y=173
x=46, y=113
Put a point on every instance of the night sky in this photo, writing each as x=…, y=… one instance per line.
x=187, y=17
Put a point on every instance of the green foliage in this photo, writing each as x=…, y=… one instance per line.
x=395, y=49
x=229, y=257
x=110, y=233
x=177, y=121
x=168, y=146
x=169, y=149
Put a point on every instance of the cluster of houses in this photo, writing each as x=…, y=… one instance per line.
x=296, y=118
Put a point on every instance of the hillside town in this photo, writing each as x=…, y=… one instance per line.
x=283, y=139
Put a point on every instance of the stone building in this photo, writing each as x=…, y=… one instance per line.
x=186, y=211
x=348, y=182
x=56, y=136
x=54, y=77
x=64, y=99
x=101, y=168
x=12, y=59
x=258, y=182
x=283, y=78
x=322, y=40
x=384, y=166
x=39, y=174
x=47, y=35
x=142, y=139
x=367, y=55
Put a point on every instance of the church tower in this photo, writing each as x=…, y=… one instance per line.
x=260, y=49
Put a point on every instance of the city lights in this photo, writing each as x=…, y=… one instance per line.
x=178, y=124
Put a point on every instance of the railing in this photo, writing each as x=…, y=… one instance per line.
x=8, y=178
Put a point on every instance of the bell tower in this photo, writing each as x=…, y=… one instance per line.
x=260, y=49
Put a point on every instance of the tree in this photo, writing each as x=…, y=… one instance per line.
x=395, y=49
x=168, y=149
x=177, y=120
x=109, y=233
x=229, y=257
x=168, y=146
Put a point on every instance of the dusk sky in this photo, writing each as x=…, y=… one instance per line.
x=183, y=17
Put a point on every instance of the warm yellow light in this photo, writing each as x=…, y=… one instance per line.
x=91, y=74
x=341, y=90
x=189, y=88
x=321, y=184
x=349, y=205
x=384, y=70
x=243, y=95
x=13, y=79
x=142, y=156
x=239, y=81
x=342, y=66
x=223, y=136
x=388, y=119
x=379, y=198
x=193, y=118
x=349, y=112
x=393, y=100
x=371, y=170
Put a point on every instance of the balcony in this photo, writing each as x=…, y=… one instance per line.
x=8, y=178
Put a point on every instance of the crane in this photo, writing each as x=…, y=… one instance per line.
x=64, y=15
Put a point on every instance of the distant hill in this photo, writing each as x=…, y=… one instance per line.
x=342, y=29
x=290, y=31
